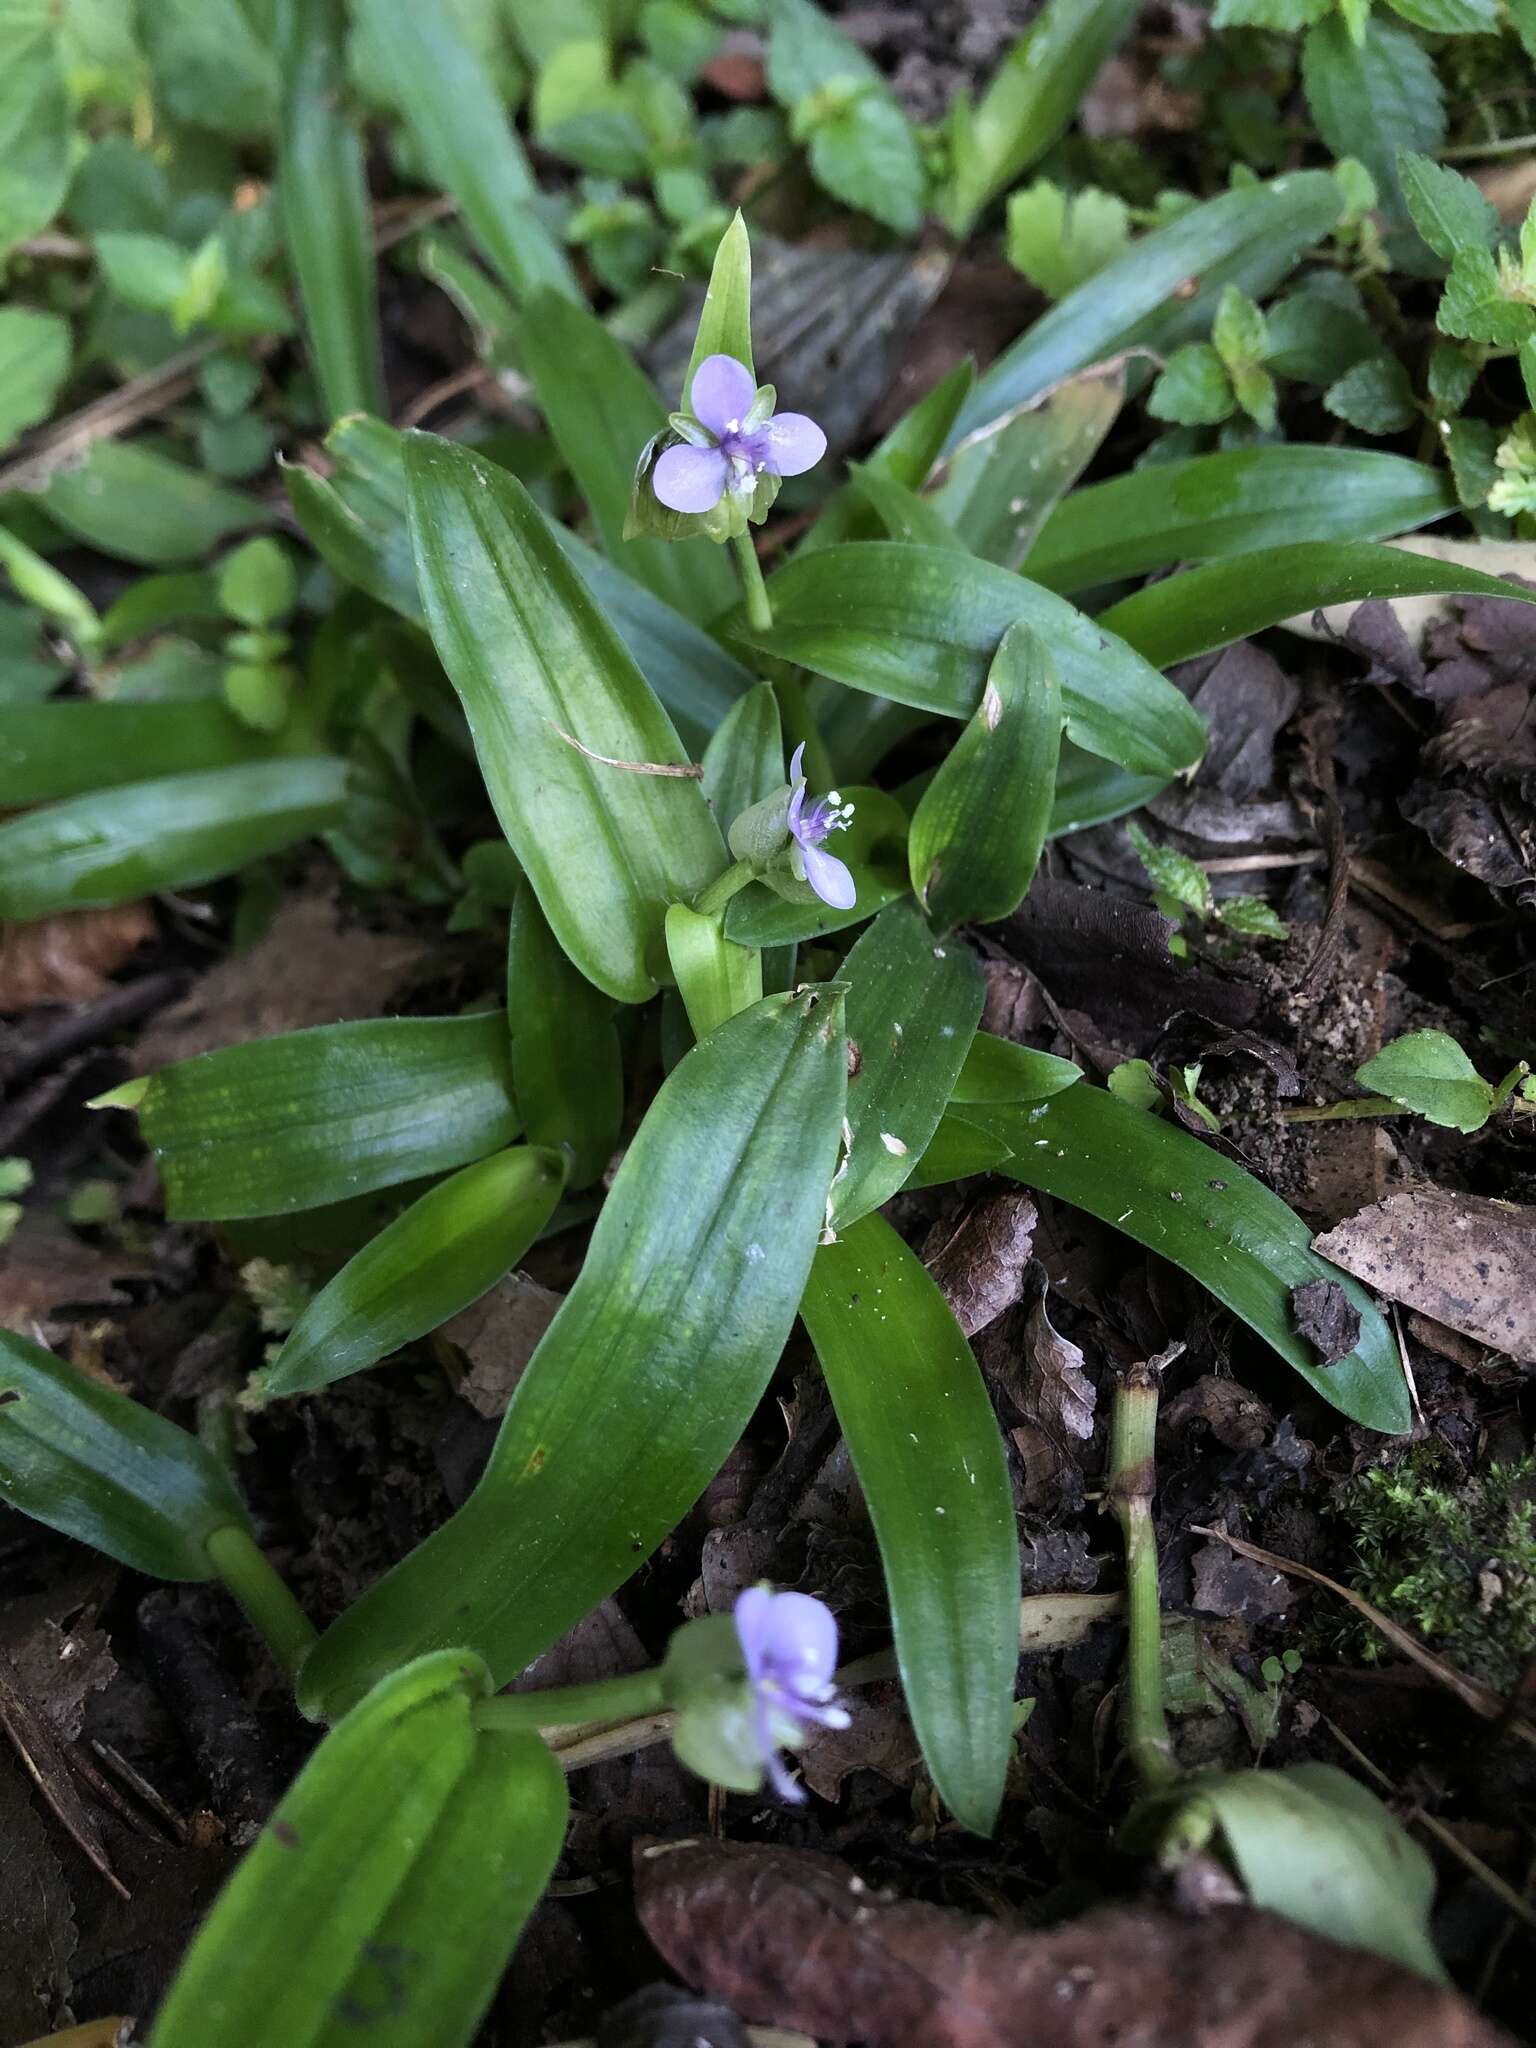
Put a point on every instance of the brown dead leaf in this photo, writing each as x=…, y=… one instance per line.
x=38, y=1935
x=46, y=1763
x=1234, y=1417
x=67, y=958
x=309, y=967
x=45, y=1267
x=1461, y=1259
x=498, y=1334
x=878, y=1738
x=981, y=1261
x=1057, y=1402
x=796, y=1939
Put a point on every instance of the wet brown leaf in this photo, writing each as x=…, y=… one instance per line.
x=38, y=1936
x=68, y=957
x=795, y=1939
x=1057, y=1402
x=1463, y=1260
x=980, y=1261
x=498, y=1334
x=1234, y=1417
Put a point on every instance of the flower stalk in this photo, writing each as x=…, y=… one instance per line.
x=1132, y=1475
x=753, y=588
x=606, y=1700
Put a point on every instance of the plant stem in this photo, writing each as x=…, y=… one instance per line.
x=606, y=1699
x=709, y=902
x=755, y=591
x=1132, y=1475
x=267, y=1603
x=1334, y=1112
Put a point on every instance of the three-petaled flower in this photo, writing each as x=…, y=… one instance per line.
x=809, y=827
x=733, y=440
x=789, y=1644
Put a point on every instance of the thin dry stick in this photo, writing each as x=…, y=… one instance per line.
x=690, y=771
x=1482, y=1699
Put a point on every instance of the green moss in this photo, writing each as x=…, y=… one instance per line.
x=1454, y=1561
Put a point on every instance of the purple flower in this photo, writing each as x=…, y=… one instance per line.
x=809, y=825
x=741, y=448
x=789, y=1642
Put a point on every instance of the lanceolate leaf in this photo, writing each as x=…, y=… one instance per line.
x=1250, y=237
x=1177, y=1197
x=997, y=1070
x=543, y=677
x=56, y=750
x=905, y=455
x=172, y=833
x=725, y=319
x=363, y=1892
x=925, y=1446
x=913, y=1005
x=323, y=193
x=357, y=523
x=602, y=410
x=317, y=1116
x=441, y=1254
x=567, y=1068
x=447, y=97
x=1238, y=502
x=130, y=501
x=650, y=1370
x=921, y=625
x=1221, y=602
x=980, y=825
x=744, y=761
x=105, y=1469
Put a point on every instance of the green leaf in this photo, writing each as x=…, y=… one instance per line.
x=211, y=70
x=391, y=1882
x=725, y=319
x=920, y=625
x=1173, y=874
x=36, y=131
x=867, y=156
x=906, y=455
x=1471, y=448
x=128, y=501
x=66, y=749
x=357, y=522
x=1252, y=916
x=651, y=1368
x=1241, y=501
x=1212, y=606
x=322, y=193
x=1288, y=16
x=980, y=825
x=1375, y=396
x=1250, y=237
x=1447, y=209
x=715, y=977
x=439, y=1255
x=1427, y=1072
x=174, y=833
x=1450, y=17
x=1238, y=331
x=256, y=584
x=533, y=660
x=602, y=411
x=1311, y=1844
x=1002, y=484
x=913, y=1008
x=567, y=1068
x=1477, y=306
x=1318, y=332
x=1060, y=242
x=317, y=1116
x=1194, y=390
x=997, y=1070
x=34, y=361
x=902, y=513
x=806, y=51
x=146, y=270
x=744, y=761
x=1373, y=99
x=106, y=1470
x=1187, y=1203
x=925, y=1446
x=1029, y=102
x=460, y=125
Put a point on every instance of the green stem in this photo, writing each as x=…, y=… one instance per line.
x=711, y=901
x=269, y=1606
x=1132, y=1473
x=608, y=1699
x=755, y=591
x=1335, y=1112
